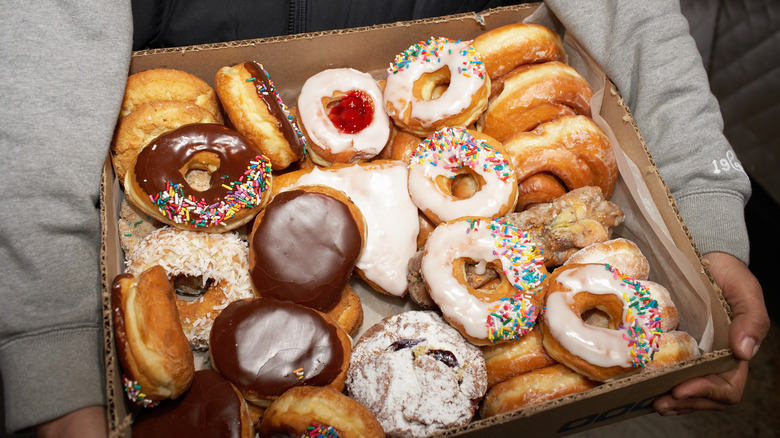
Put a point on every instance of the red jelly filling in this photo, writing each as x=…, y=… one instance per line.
x=353, y=112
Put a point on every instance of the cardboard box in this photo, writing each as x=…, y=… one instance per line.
x=652, y=220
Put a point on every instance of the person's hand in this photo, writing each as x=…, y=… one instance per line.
x=89, y=422
x=749, y=326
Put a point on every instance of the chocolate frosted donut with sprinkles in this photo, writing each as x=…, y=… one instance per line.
x=240, y=178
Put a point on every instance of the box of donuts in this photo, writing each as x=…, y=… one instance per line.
x=449, y=226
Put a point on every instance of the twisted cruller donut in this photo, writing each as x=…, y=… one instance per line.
x=534, y=94
x=599, y=353
x=342, y=114
x=559, y=156
x=155, y=355
x=258, y=112
x=436, y=83
x=451, y=153
x=507, y=47
x=495, y=312
x=240, y=178
x=218, y=260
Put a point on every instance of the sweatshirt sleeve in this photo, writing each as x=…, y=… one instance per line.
x=648, y=52
x=61, y=80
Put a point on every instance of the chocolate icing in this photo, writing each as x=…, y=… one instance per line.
x=267, y=93
x=304, y=249
x=265, y=347
x=210, y=407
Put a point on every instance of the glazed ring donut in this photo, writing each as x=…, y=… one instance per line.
x=239, y=185
x=507, y=47
x=621, y=253
x=146, y=123
x=534, y=94
x=219, y=261
x=341, y=113
x=168, y=84
x=532, y=388
x=211, y=407
x=509, y=359
x=451, y=154
x=495, y=312
x=256, y=110
x=311, y=411
x=156, y=360
x=266, y=347
x=572, y=150
x=596, y=352
x=436, y=83
x=416, y=374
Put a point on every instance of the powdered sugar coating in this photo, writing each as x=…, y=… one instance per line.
x=417, y=374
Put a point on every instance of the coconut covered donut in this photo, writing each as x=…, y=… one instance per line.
x=504, y=48
x=168, y=84
x=559, y=156
x=500, y=311
x=436, y=83
x=599, y=353
x=534, y=94
x=451, y=154
x=218, y=262
x=341, y=113
x=240, y=178
x=156, y=360
x=416, y=374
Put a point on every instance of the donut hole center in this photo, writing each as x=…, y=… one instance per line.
x=432, y=85
x=197, y=172
x=482, y=276
x=600, y=310
x=190, y=288
x=463, y=185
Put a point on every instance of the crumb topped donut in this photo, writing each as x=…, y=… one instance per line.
x=342, y=115
x=500, y=311
x=453, y=153
x=416, y=374
x=436, y=83
x=240, y=178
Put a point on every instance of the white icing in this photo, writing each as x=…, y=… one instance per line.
x=391, y=218
x=370, y=140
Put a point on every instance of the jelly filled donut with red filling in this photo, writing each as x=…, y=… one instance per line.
x=266, y=347
x=240, y=178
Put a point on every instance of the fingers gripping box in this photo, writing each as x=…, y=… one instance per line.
x=652, y=220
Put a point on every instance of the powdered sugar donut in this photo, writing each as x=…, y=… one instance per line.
x=340, y=111
x=416, y=374
x=451, y=153
x=218, y=261
x=436, y=83
x=485, y=314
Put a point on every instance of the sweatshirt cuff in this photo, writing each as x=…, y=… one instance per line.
x=717, y=222
x=48, y=375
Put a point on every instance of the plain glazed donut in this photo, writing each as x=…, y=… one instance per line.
x=266, y=347
x=436, y=83
x=453, y=153
x=239, y=185
x=504, y=48
x=219, y=261
x=255, y=108
x=495, y=312
x=416, y=374
x=156, y=360
x=509, y=359
x=534, y=94
x=599, y=353
x=311, y=411
x=572, y=151
x=341, y=113
x=532, y=388
x=168, y=84
x=212, y=407
x=621, y=253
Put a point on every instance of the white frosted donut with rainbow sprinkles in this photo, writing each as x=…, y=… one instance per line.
x=450, y=153
x=493, y=313
x=436, y=83
x=599, y=353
